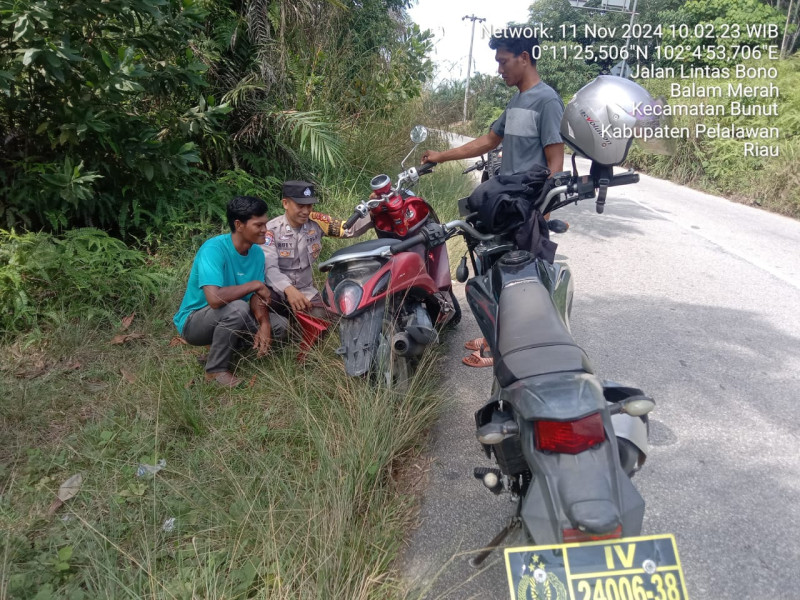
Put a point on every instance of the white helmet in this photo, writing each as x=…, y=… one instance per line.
x=605, y=115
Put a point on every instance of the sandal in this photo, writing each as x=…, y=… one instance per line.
x=479, y=358
x=475, y=344
x=224, y=379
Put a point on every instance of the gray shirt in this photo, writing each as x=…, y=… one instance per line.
x=531, y=121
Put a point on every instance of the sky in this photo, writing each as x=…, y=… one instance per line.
x=451, y=33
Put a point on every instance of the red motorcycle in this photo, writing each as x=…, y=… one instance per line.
x=392, y=296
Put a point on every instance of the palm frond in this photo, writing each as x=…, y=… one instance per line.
x=249, y=85
x=309, y=131
x=296, y=133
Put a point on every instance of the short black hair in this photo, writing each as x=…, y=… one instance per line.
x=244, y=208
x=516, y=39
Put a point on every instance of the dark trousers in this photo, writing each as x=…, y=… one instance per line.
x=228, y=328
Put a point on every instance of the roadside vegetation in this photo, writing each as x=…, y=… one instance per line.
x=301, y=484
x=127, y=126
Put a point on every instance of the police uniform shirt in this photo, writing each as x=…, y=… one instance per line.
x=289, y=255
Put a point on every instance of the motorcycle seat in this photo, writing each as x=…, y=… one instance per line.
x=367, y=246
x=531, y=337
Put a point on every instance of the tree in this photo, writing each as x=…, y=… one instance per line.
x=293, y=69
x=98, y=98
x=723, y=15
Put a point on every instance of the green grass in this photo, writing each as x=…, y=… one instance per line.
x=293, y=487
x=287, y=487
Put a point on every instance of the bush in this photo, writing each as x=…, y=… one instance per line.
x=83, y=274
x=719, y=165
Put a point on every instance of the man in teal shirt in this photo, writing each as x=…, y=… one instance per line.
x=226, y=300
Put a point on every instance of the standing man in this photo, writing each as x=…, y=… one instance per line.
x=529, y=129
x=226, y=298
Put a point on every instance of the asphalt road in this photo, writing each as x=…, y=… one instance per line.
x=696, y=300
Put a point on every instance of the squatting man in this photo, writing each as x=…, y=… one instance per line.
x=226, y=303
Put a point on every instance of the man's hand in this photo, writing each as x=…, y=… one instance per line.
x=262, y=340
x=431, y=156
x=296, y=299
x=471, y=149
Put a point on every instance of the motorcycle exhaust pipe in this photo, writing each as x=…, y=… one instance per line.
x=404, y=345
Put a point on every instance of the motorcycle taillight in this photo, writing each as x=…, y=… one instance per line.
x=347, y=296
x=569, y=437
x=572, y=536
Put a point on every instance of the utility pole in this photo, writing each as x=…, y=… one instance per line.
x=472, y=18
x=621, y=68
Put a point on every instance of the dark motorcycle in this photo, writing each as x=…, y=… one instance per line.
x=391, y=304
x=565, y=442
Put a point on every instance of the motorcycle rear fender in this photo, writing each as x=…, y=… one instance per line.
x=633, y=429
x=359, y=336
x=587, y=489
x=563, y=396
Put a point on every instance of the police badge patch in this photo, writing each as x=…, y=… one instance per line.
x=269, y=238
x=315, y=250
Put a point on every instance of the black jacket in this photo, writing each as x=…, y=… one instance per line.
x=505, y=204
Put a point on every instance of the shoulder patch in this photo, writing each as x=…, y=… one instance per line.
x=269, y=238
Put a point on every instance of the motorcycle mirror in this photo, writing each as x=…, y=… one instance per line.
x=635, y=406
x=419, y=133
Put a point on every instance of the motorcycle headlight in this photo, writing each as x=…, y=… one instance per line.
x=347, y=296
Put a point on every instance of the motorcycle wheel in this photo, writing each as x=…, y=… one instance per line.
x=391, y=369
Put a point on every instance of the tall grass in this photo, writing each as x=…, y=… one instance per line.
x=285, y=489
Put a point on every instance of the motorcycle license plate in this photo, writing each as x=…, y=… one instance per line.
x=637, y=568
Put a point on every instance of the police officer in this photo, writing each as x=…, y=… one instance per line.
x=293, y=243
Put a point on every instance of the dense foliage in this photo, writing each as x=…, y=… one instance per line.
x=109, y=106
x=98, y=98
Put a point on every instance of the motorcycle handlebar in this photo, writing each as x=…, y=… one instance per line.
x=406, y=244
x=464, y=226
x=352, y=220
x=624, y=179
x=437, y=234
x=426, y=168
x=477, y=165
